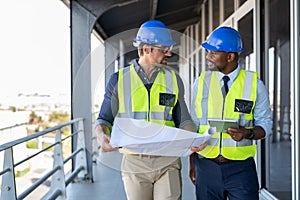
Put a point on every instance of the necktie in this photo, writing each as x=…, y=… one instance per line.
x=226, y=79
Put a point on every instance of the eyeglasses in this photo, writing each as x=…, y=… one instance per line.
x=163, y=49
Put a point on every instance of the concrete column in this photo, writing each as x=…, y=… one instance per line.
x=81, y=98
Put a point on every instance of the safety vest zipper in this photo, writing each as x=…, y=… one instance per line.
x=148, y=113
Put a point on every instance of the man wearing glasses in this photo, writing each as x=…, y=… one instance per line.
x=147, y=90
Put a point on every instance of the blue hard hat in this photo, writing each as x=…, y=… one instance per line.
x=154, y=32
x=224, y=39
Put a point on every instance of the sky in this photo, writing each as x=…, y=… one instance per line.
x=34, y=47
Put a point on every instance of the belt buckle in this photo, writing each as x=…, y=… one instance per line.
x=147, y=156
x=222, y=159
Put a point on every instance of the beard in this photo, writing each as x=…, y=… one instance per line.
x=213, y=67
x=164, y=61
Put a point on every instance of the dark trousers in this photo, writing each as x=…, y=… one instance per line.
x=236, y=180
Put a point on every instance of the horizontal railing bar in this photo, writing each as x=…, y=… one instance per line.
x=33, y=155
x=38, y=182
x=63, y=139
x=4, y=171
x=13, y=126
x=55, y=194
x=72, y=155
x=73, y=175
x=71, y=135
x=30, y=137
x=76, y=133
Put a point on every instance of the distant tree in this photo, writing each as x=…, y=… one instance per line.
x=58, y=118
x=12, y=108
x=34, y=118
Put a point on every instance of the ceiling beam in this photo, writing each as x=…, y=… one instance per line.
x=176, y=11
x=153, y=8
x=183, y=24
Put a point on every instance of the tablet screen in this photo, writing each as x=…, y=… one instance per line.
x=222, y=125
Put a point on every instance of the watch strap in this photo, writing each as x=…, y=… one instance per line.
x=252, y=134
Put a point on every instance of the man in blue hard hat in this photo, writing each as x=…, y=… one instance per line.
x=147, y=90
x=225, y=168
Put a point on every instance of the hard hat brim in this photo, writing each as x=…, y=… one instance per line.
x=163, y=43
x=209, y=47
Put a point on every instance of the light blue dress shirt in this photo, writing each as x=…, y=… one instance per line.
x=262, y=111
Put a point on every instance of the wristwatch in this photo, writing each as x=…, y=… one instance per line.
x=252, y=134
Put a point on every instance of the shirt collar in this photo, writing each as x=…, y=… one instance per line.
x=138, y=68
x=231, y=75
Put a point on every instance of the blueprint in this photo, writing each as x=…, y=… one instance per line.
x=155, y=139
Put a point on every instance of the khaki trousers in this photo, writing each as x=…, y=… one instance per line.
x=151, y=178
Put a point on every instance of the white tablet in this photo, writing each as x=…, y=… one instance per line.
x=222, y=125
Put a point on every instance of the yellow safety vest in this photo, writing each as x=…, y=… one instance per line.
x=210, y=104
x=136, y=103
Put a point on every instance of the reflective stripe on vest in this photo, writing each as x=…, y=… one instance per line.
x=209, y=103
x=134, y=99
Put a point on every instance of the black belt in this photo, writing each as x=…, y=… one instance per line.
x=144, y=155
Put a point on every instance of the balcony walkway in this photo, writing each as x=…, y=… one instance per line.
x=108, y=184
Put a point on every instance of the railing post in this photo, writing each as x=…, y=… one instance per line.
x=81, y=156
x=8, y=190
x=95, y=146
x=58, y=178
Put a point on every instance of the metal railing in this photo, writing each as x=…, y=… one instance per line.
x=13, y=126
x=59, y=179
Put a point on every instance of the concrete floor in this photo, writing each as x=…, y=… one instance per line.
x=108, y=184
